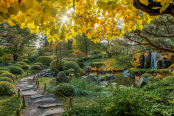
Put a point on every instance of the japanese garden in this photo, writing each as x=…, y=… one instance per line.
x=86, y=58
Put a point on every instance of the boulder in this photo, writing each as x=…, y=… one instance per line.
x=166, y=62
x=62, y=77
x=91, y=77
x=143, y=81
x=109, y=77
x=99, y=79
x=102, y=71
x=128, y=73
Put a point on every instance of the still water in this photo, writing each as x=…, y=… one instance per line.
x=119, y=80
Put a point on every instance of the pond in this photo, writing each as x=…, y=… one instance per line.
x=119, y=80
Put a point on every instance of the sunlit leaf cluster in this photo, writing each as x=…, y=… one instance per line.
x=96, y=18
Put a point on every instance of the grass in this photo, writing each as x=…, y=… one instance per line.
x=44, y=80
x=9, y=104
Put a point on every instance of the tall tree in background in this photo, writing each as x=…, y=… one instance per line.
x=84, y=44
x=14, y=39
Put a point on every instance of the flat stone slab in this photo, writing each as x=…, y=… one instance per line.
x=24, y=82
x=49, y=99
x=50, y=105
x=29, y=86
x=36, y=96
x=52, y=111
x=23, y=85
x=25, y=89
x=30, y=92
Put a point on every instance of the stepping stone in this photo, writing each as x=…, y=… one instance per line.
x=24, y=82
x=25, y=89
x=29, y=86
x=50, y=105
x=23, y=85
x=49, y=99
x=52, y=111
x=30, y=92
x=36, y=96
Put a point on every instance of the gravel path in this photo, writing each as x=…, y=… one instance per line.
x=48, y=104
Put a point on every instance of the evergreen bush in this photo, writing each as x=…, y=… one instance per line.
x=25, y=67
x=6, y=79
x=15, y=69
x=6, y=88
x=59, y=65
x=66, y=89
x=27, y=61
x=40, y=64
x=21, y=63
x=69, y=64
x=45, y=60
x=36, y=67
x=3, y=68
x=3, y=71
x=66, y=72
x=17, y=65
x=146, y=75
x=80, y=64
x=10, y=75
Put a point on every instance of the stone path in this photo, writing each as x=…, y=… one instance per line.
x=38, y=103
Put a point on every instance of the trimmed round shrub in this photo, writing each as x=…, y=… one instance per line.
x=80, y=64
x=22, y=63
x=146, y=75
x=15, y=69
x=152, y=78
x=27, y=61
x=59, y=65
x=12, y=76
x=3, y=71
x=157, y=78
x=3, y=68
x=6, y=79
x=17, y=65
x=33, y=58
x=25, y=67
x=66, y=72
x=6, y=88
x=69, y=64
x=40, y=64
x=46, y=60
x=36, y=67
x=65, y=89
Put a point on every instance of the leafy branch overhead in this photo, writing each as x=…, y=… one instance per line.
x=64, y=19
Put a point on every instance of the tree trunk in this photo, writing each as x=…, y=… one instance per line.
x=109, y=55
x=15, y=57
x=56, y=67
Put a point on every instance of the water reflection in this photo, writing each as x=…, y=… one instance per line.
x=119, y=80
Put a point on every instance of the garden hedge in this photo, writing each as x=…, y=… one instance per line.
x=15, y=69
x=69, y=64
x=3, y=71
x=27, y=61
x=6, y=88
x=59, y=66
x=3, y=68
x=6, y=79
x=40, y=64
x=45, y=60
x=36, y=67
x=12, y=76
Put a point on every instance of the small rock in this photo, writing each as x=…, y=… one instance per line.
x=91, y=77
x=44, y=100
x=143, y=81
x=109, y=77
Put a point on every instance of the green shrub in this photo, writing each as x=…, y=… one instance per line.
x=79, y=60
x=12, y=76
x=6, y=88
x=157, y=78
x=59, y=65
x=152, y=78
x=146, y=75
x=46, y=60
x=33, y=58
x=15, y=69
x=6, y=79
x=25, y=67
x=169, y=78
x=40, y=64
x=77, y=75
x=17, y=65
x=21, y=63
x=66, y=72
x=65, y=89
x=36, y=67
x=3, y=71
x=3, y=68
x=27, y=61
x=80, y=64
x=69, y=64
x=53, y=72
